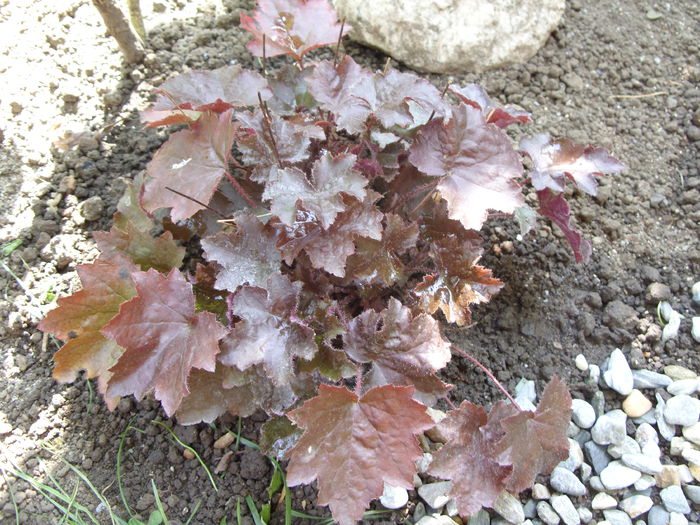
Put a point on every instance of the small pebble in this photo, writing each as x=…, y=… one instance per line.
x=666, y=430
x=649, y=379
x=619, y=376
x=682, y=410
x=636, y=505
x=582, y=413
x=692, y=433
x=658, y=516
x=610, y=428
x=642, y=463
x=509, y=507
x=597, y=455
x=628, y=446
x=435, y=494
x=693, y=493
x=676, y=372
x=677, y=518
x=585, y=514
x=617, y=517
x=695, y=292
x=617, y=476
x=695, y=329
x=566, y=510
x=674, y=500
x=645, y=482
x=683, y=386
x=539, y=491
x=547, y=514
x=602, y=501
x=644, y=434
x=636, y=404
x=566, y=482
x=394, y=497
x=581, y=362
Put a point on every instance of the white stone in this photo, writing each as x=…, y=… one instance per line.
x=575, y=459
x=683, y=386
x=666, y=430
x=682, y=410
x=691, y=455
x=619, y=376
x=674, y=500
x=582, y=413
x=636, y=505
x=581, y=362
x=692, y=433
x=585, y=514
x=627, y=446
x=695, y=329
x=617, y=517
x=617, y=476
x=610, y=428
x=645, y=482
x=642, y=463
x=452, y=36
x=677, y=518
x=393, y=497
x=435, y=494
x=695, y=292
x=603, y=501
x=539, y=491
x=566, y=482
x=562, y=504
x=645, y=433
x=509, y=507
x=649, y=379
x=547, y=514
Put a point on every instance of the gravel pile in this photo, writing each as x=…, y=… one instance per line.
x=634, y=456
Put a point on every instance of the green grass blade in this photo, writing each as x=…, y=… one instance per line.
x=254, y=511
x=120, y=452
x=12, y=495
x=159, y=505
x=194, y=512
x=184, y=445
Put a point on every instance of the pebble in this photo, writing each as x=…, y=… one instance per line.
x=693, y=493
x=619, y=376
x=525, y=389
x=657, y=292
x=597, y=455
x=596, y=484
x=581, y=362
x=92, y=208
x=636, y=505
x=575, y=459
x=480, y=518
x=566, y=482
x=642, y=463
x=677, y=519
x=695, y=329
x=584, y=514
x=617, y=476
x=393, y=497
x=593, y=374
x=436, y=519
x=649, y=379
x=540, y=491
x=547, y=514
x=676, y=372
x=695, y=292
x=566, y=510
x=628, y=446
x=610, y=428
x=683, y=386
x=645, y=482
x=692, y=433
x=682, y=410
x=666, y=430
x=658, y=516
x=691, y=455
x=435, y=494
x=636, y=404
x=644, y=434
x=603, y=501
x=674, y=500
x=509, y=507
x=617, y=517
x=582, y=413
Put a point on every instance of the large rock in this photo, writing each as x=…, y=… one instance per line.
x=453, y=36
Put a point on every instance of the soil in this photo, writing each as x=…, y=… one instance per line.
x=609, y=75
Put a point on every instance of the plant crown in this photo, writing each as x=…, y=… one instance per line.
x=337, y=211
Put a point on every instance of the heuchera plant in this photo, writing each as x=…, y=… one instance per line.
x=337, y=212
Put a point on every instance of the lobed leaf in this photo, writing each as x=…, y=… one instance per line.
x=329, y=249
x=183, y=99
x=292, y=27
x=467, y=457
x=555, y=208
x=227, y=389
x=555, y=160
x=535, y=442
x=353, y=94
x=356, y=444
x=494, y=113
x=163, y=339
x=403, y=350
x=248, y=256
x=377, y=261
x=290, y=141
x=79, y=318
x=192, y=162
x=475, y=161
x=268, y=333
x=331, y=178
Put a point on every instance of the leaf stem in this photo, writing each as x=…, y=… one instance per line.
x=240, y=190
x=358, y=382
x=337, y=46
x=422, y=202
x=268, y=127
x=412, y=194
x=487, y=372
x=197, y=201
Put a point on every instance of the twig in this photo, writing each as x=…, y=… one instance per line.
x=264, y=57
x=487, y=372
x=442, y=95
x=337, y=46
x=654, y=94
x=268, y=127
x=195, y=200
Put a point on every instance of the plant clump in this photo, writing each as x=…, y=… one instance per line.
x=330, y=213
